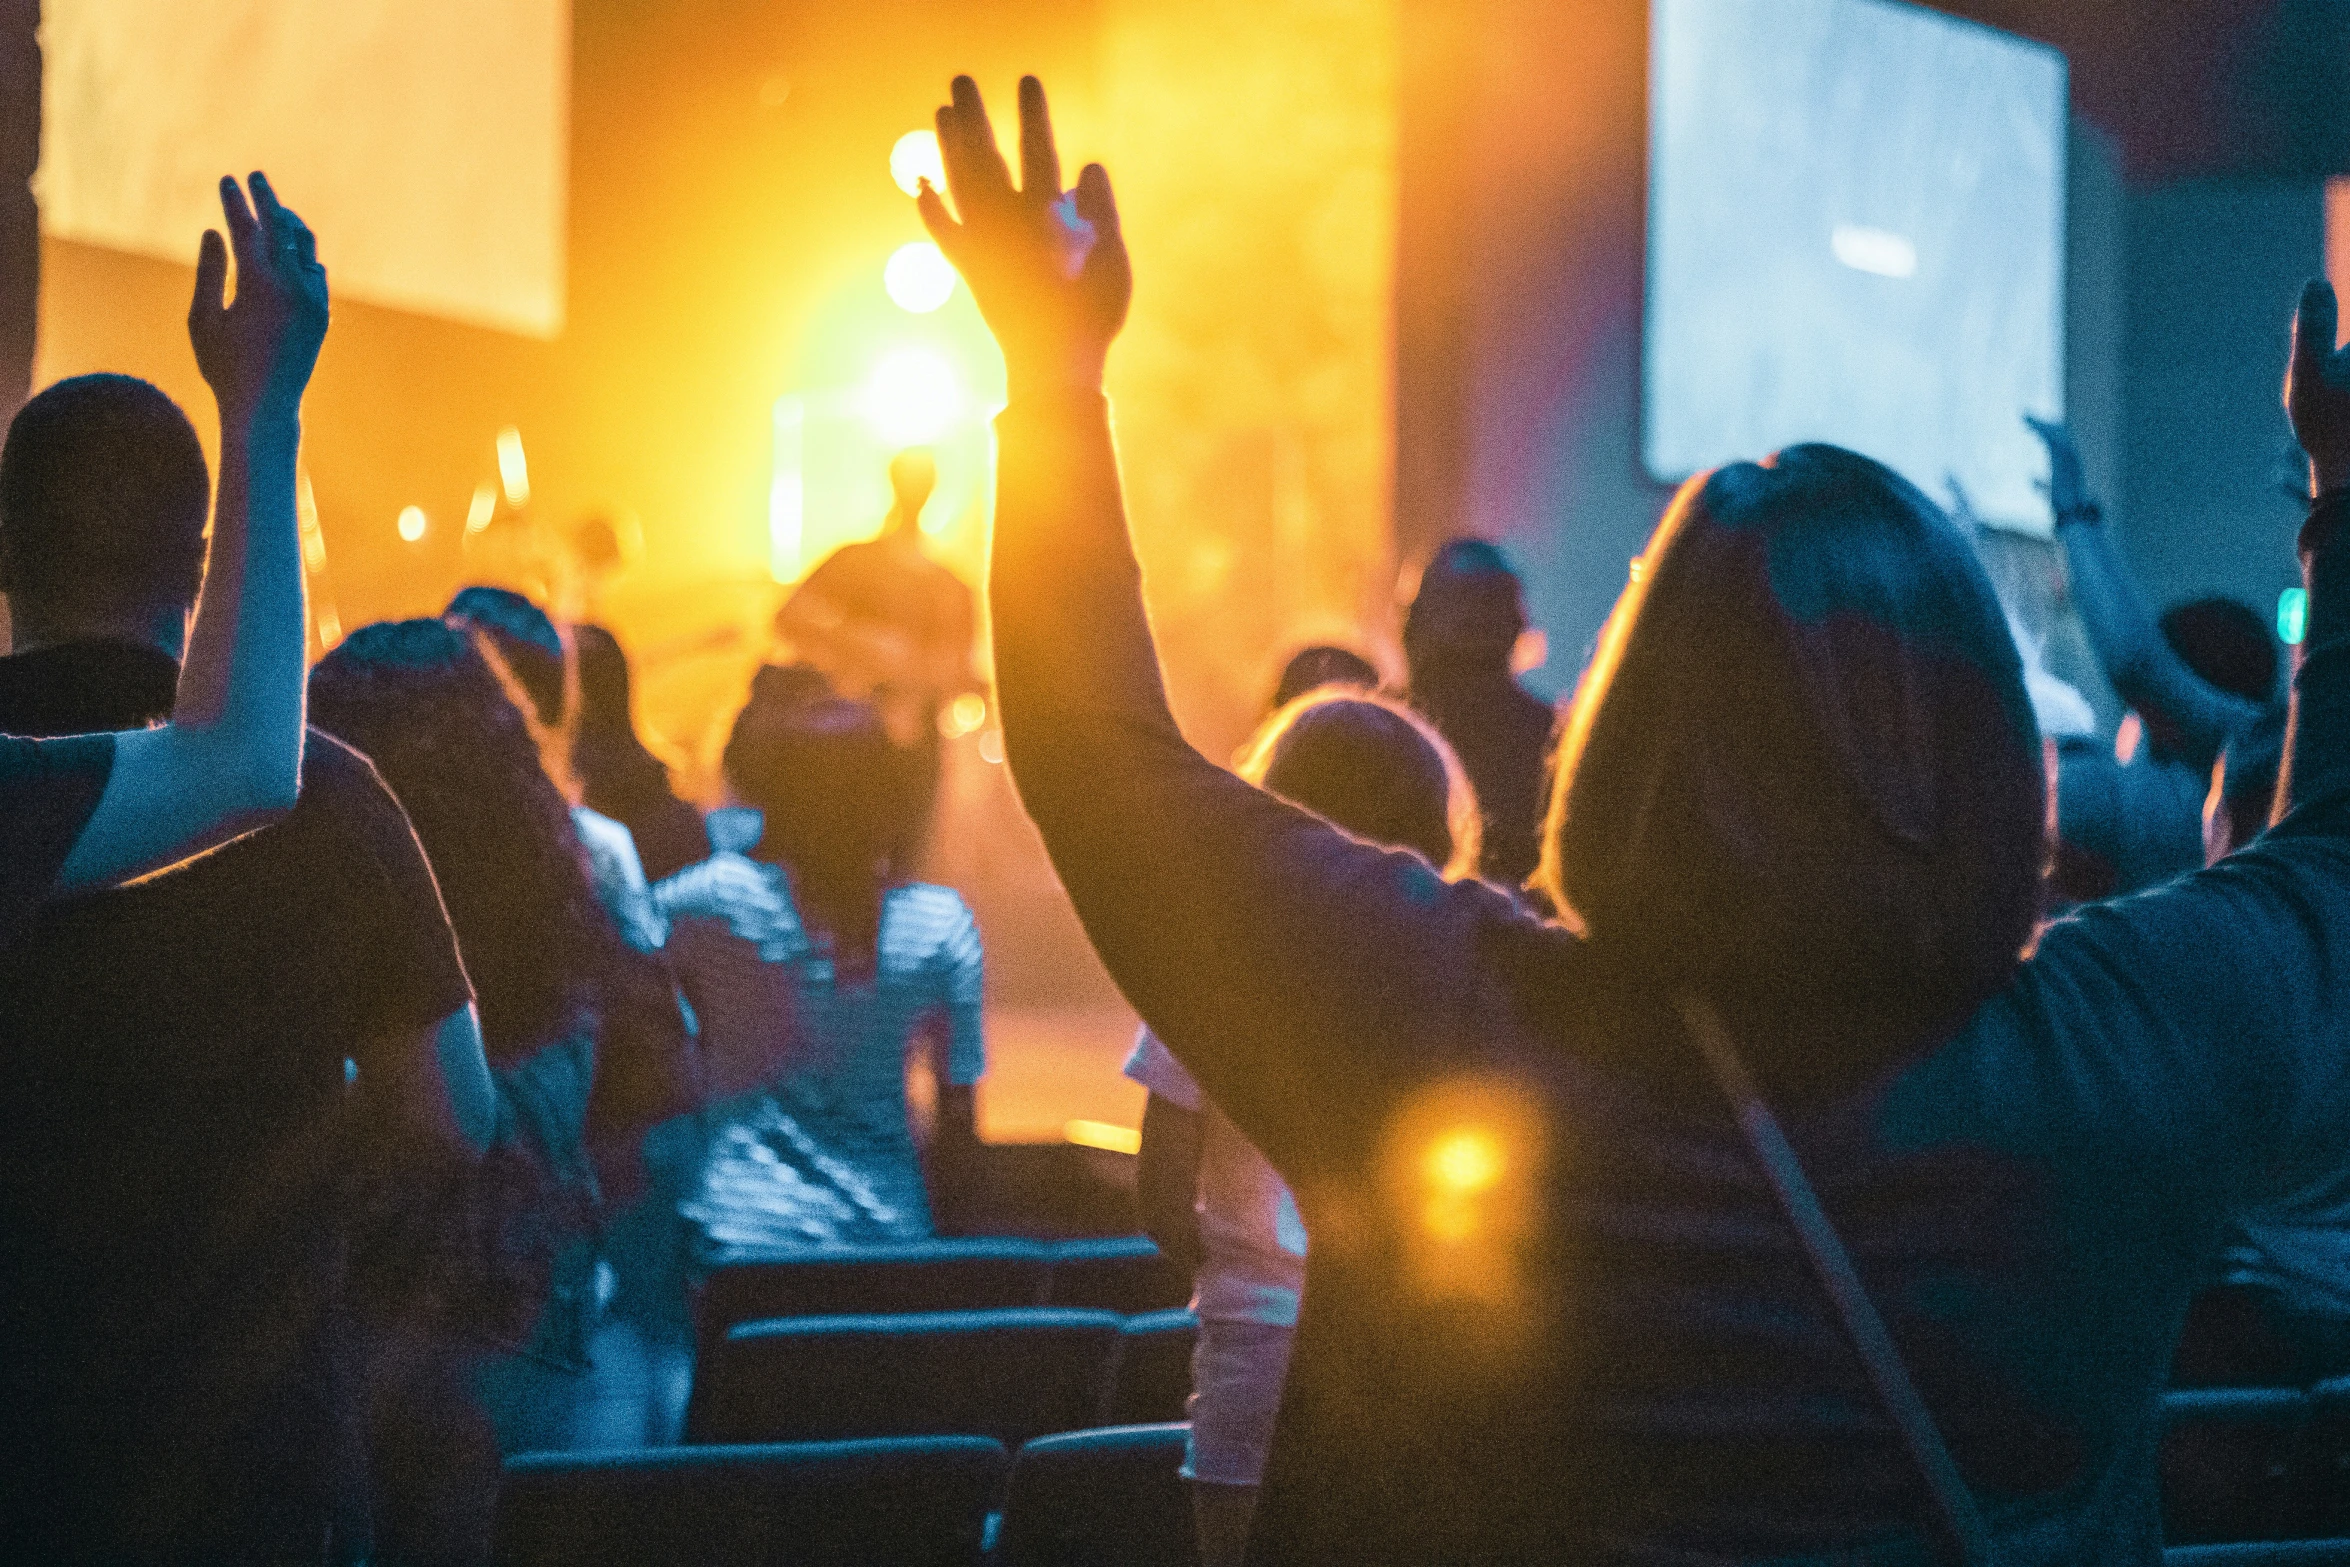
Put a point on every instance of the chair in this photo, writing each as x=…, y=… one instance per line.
x=2229, y=1463
x=1010, y=1375
x=922, y=1502
x=745, y=1285
x=2261, y=1553
x=1122, y=1273
x=1152, y=1382
x=1106, y=1498
x=2324, y=1488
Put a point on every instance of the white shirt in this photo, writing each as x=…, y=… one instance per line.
x=1252, y=1239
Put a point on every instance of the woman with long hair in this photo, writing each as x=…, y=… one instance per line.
x=481, y=1301
x=1775, y=1205
x=617, y=775
x=830, y=946
x=1378, y=770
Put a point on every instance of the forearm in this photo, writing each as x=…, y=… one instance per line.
x=2317, y=745
x=2132, y=652
x=1166, y=1180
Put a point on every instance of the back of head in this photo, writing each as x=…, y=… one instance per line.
x=418, y=699
x=1322, y=665
x=103, y=498
x=2226, y=643
x=1802, y=775
x=611, y=761
x=525, y=638
x=1373, y=767
x=837, y=796
x=1469, y=611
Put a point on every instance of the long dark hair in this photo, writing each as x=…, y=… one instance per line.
x=616, y=773
x=418, y=699
x=839, y=798
x=1801, y=774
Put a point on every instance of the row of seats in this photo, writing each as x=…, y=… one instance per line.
x=2256, y=1463
x=1008, y=1375
x=1124, y=1274
x=1107, y=1498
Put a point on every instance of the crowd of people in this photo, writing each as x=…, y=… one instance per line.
x=1779, y=1107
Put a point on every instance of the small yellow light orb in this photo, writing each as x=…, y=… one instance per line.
x=1466, y=1160
x=915, y=159
x=966, y=713
x=412, y=523
x=919, y=277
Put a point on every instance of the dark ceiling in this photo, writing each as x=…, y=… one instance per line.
x=2201, y=87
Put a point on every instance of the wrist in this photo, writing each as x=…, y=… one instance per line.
x=1069, y=373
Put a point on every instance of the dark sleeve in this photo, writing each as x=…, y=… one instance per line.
x=2213, y=1014
x=382, y=960
x=1306, y=979
x=2131, y=650
x=48, y=789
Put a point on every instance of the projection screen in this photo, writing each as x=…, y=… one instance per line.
x=425, y=140
x=1856, y=234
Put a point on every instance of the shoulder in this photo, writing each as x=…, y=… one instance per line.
x=921, y=908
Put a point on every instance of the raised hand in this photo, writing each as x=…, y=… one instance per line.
x=257, y=352
x=1047, y=266
x=2317, y=389
x=2067, y=487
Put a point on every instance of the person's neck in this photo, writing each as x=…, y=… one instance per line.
x=30, y=630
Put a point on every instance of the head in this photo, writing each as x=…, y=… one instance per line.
x=611, y=761
x=417, y=697
x=913, y=474
x=837, y=796
x=2244, y=787
x=1321, y=665
x=103, y=499
x=1469, y=612
x=1802, y=775
x=1373, y=767
x=525, y=640
x=2226, y=643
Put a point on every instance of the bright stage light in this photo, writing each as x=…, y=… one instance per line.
x=412, y=523
x=919, y=277
x=483, y=508
x=2292, y=615
x=513, y=472
x=966, y=713
x=915, y=159
x=1465, y=1160
x=912, y=397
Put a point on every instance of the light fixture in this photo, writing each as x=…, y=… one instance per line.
x=412, y=523
x=915, y=159
x=912, y=397
x=513, y=472
x=919, y=277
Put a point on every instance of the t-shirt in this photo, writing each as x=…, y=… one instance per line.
x=48, y=790
x=174, y=1061
x=1252, y=1239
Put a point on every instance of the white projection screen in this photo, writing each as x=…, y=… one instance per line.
x=1855, y=234
x=426, y=140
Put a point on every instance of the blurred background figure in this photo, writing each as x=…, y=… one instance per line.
x=1310, y=668
x=1209, y=1197
x=885, y=623
x=619, y=776
x=1460, y=638
x=828, y=960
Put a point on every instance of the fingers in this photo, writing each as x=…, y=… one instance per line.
x=945, y=232
x=1097, y=204
x=211, y=283
x=244, y=229
x=2314, y=326
x=1040, y=160
x=966, y=145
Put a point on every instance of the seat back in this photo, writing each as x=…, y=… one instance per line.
x=1009, y=1375
x=1121, y=1273
x=750, y=1285
x=1152, y=1383
x=2230, y=1461
x=1108, y=1498
x=920, y=1503
x=2261, y=1553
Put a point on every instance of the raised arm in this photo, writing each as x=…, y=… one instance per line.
x=230, y=759
x=1306, y=979
x=2194, y=717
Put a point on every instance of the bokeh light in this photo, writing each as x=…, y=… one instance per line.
x=513, y=471
x=966, y=713
x=484, y=506
x=912, y=397
x=412, y=523
x=915, y=159
x=919, y=277
x=1467, y=1159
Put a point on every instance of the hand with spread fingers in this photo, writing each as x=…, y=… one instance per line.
x=2317, y=389
x=1047, y=266
x=257, y=351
